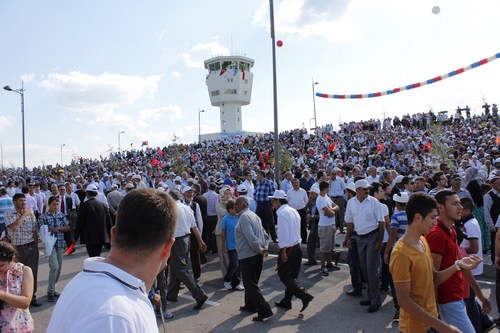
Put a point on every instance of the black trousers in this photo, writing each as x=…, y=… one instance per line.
x=312, y=241
x=208, y=235
x=28, y=255
x=94, y=250
x=265, y=213
x=288, y=273
x=303, y=225
x=251, y=268
x=194, y=253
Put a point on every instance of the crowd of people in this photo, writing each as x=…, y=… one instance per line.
x=360, y=181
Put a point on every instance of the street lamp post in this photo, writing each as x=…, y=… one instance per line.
x=119, y=147
x=62, y=145
x=199, y=125
x=314, y=106
x=21, y=92
x=275, y=95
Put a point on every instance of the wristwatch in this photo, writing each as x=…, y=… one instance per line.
x=457, y=266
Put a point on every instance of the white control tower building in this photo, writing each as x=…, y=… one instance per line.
x=229, y=83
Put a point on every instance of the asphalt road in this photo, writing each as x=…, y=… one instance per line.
x=330, y=311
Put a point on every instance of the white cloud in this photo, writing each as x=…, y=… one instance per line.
x=331, y=20
x=27, y=77
x=83, y=92
x=172, y=111
x=202, y=51
x=175, y=74
x=5, y=122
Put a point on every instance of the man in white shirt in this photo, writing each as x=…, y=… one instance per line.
x=286, y=184
x=290, y=255
x=326, y=227
x=363, y=215
x=297, y=198
x=111, y=292
x=336, y=193
x=372, y=175
x=249, y=184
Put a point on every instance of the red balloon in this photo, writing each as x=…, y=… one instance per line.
x=279, y=43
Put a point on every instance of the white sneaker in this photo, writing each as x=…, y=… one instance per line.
x=227, y=285
x=240, y=287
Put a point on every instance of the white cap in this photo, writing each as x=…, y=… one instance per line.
x=186, y=188
x=92, y=188
x=241, y=189
x=278, y=194
x=363, y=183
x=398, y=179
x=351, y=186
x=401, y=197
x=178, y=179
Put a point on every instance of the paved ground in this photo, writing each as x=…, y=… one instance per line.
x=330, y=311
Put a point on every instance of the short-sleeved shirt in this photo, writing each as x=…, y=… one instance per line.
x=324, y=220
x=365, y=215
x=410, y=265
x=399, y=221
x=228, y=223
x=443, y=241
x=473, y=231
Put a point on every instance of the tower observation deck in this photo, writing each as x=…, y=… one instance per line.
x=229, y=83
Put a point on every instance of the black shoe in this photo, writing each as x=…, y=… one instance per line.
x=283, y=304
x=311, y=263
x=497, y=321
x=263, y=317
x=373, y=308
x=489, y=328
x=365, y=302
x=354, y=292
x=171, y=299
x=51, y=298
x=247, y=309
x=200, y=303
x=306, y=299
x=332, y=268
x=35, y=303
x=396, y=316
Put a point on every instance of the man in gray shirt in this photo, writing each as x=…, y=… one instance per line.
x=251, y=246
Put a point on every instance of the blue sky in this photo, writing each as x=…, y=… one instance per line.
x=93, y=68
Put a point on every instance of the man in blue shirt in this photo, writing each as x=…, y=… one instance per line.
x=263, y=190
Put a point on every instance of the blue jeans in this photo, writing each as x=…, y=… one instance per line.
x=454, y=313
x=55, y=265
x=233, y=270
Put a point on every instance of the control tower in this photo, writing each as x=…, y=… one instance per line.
x=229, y=83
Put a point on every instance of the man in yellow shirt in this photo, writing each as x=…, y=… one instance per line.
x=413, y=271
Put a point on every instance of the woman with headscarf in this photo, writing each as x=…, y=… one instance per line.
x=471, y=182
x=225, y=194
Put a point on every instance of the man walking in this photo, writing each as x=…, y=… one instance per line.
x=290, y=255
x=251, y=246
x=93, y=223
x=263, y=189
x=57, y=224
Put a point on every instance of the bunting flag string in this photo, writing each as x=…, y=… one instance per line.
x=414, y=85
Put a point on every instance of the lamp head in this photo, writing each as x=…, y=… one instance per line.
x=8, y=88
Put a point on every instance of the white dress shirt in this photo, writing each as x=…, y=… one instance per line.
x=288, y=226
x=297, y=198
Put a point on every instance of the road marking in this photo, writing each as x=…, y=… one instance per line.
x=303, y=259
